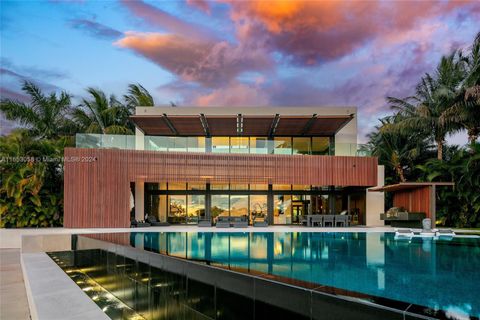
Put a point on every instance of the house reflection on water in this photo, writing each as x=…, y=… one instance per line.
x=430, y=272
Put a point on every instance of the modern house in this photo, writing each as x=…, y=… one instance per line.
x=186, y=164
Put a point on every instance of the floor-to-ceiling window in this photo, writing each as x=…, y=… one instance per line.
x=177, y=208
x=321, y=146
x=220, y=206
x=187, y=203
x=301, y=145
x=195, y=208
x=239, y=145
x=258, y=207
x=239, y=206
x=242, y=144
x=220, y=144
x=282, y=209
x=259, y=145
x=282, y=145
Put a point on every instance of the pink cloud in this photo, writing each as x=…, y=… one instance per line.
x=166, y=21
x=203, y=5
x=311, y=32
x=207, y=62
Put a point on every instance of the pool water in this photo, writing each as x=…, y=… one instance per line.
x=442, y=274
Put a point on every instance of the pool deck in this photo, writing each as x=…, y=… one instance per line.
x=13, y=297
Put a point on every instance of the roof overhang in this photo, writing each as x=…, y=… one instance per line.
x=251, y=125
x=408, y=186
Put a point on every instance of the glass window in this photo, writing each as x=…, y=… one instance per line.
x=320, y=145
x=219, y=206
x=178, y=144
x=319, y=204
x=239, y=206
x=238, y=186
x=340, y=203
x=195, y=208
x=162, y=186
x=323, y=206
x=301, y=187
x=196, y=144
x=282, y=187
x=197, y=186
x=177, y=208
x=239, y=144
x=219, y=186
x=177, y=186
x=220, y=144
x=162, y=208
x=258, y=207
x=282, y=145
x=258, y=145
x=282, y=209
x=156, y=206
x=301, y=145
x=259, y=187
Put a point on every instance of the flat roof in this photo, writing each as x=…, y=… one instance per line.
x=242, y=121
x=408, y=186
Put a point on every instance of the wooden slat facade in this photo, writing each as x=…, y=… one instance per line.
x=414, y=200
x=97, y=193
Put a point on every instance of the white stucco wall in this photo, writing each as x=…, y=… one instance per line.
x=139, y=139
x=346, y=138
x=375, y=201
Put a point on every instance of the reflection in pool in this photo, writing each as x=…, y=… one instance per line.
x=437, y=273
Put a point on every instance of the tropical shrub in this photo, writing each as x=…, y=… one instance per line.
x=31, y=181
x=458, y=206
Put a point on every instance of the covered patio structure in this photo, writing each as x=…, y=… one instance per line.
x=414, y=196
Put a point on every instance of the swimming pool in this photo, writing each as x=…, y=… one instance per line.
x=441, y=274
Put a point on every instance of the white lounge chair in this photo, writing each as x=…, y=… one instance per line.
x=445, y=233
x=404, y=233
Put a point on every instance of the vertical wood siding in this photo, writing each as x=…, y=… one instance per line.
x=414, y=200
x=97, y=193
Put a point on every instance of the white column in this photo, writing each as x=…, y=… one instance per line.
x=375, y=201
x=139, y=200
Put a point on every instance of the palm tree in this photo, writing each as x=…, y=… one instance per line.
x=45, y=116
x=465, y=110
x=396, y=150
x=103, y=115
x=434, y=94
x=138, y=96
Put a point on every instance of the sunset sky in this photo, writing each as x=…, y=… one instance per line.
x=219, y=53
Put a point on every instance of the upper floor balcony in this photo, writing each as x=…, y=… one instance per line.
x=226, y=145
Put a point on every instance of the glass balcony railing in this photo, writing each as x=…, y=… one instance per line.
x=104, y=141
x=214, y=145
